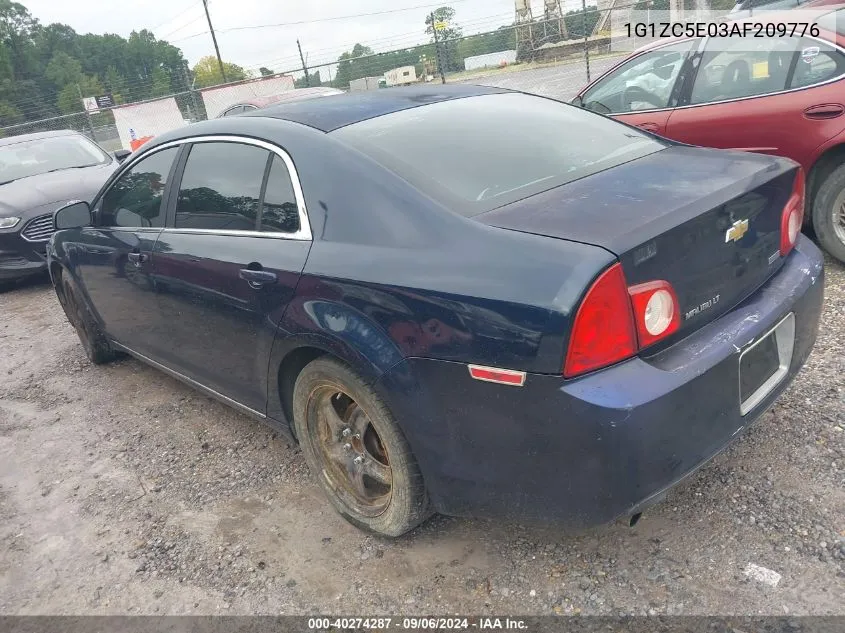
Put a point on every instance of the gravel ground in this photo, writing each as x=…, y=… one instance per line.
x=560, y=81
x=123, y=491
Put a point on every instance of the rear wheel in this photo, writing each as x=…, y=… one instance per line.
x=93, y=340
x=354, y=446
x=829, y=213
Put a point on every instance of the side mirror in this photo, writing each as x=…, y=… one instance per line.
x=72, y=216
x=122, y=154
x=578, y=101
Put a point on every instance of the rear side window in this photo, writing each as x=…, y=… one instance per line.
x=135, y=198
x=221, y=187
x=818, y=62
x=279, y=213
x=479, y=153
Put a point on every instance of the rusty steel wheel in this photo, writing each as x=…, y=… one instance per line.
x=357, y=451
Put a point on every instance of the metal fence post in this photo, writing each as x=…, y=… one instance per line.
x=586, y=41
x=87, y=114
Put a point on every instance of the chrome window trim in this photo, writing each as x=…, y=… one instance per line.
x=763, y=96
x=303, y=234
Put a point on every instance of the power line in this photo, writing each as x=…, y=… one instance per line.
x=319, y=20
x=171, y=19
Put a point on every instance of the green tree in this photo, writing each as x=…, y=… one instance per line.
x=68, y=99
x=160, y=83
x=313, y=80
x=63, y=70
x=9, y=114
x=265, y=72
x=207, y=72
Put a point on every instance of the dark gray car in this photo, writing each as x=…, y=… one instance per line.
x=38, y=174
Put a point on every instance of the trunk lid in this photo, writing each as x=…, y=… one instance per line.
x=706, y=221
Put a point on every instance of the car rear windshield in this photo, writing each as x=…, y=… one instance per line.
x=43, y=155
x=479, y=153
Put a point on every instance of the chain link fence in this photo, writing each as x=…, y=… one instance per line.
x=553, y=55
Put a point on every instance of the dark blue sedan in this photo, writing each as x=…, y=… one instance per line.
x=458, y=299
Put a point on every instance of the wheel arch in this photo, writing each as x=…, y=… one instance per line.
x=823, y=166
x=292, y=353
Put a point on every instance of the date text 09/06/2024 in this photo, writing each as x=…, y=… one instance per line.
x=721, y=29
x=416, y=623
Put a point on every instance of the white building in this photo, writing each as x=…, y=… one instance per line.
x=489, y=60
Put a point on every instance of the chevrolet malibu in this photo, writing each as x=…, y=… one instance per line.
x=458, y=299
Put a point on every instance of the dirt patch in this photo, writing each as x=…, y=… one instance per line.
x=123, y=491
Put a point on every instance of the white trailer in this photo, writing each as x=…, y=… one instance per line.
x=401, y=76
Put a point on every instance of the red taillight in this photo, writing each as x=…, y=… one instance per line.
x=603, y=331
x=614, y=321
x=656, y=311
x=792, y=217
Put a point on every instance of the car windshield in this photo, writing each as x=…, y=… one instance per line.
x=480, y=153
x=40, y=156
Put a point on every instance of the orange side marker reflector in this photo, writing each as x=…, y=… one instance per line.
x=500, y=376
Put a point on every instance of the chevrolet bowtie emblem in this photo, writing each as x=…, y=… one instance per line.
x=737, y=230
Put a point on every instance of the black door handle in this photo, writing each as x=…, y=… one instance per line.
x=257, y=277
x=137, y=258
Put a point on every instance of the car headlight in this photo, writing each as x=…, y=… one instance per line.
x=7, y=223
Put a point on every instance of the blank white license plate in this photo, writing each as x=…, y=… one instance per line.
x=763, y=365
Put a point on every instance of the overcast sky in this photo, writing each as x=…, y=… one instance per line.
x=182, y=22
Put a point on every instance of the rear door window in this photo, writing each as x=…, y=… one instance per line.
x=737, y=67
x=279, y=213
x=221, y=187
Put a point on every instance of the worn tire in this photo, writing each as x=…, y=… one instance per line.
x=829, y=200
x=93, y=340
x=408, y=505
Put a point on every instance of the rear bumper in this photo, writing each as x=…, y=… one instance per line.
x=20, y=258
x=586, y=451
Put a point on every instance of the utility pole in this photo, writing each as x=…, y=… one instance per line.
x=304, y=67
x=437, y=50
x=214, y=39
x=87, y=113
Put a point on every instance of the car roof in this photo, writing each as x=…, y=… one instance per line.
x=288, y=96
x=23, y=138
x=333, y=112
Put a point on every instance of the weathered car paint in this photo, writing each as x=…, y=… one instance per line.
x=408, y=293
x=585, y=451
x=220, y=330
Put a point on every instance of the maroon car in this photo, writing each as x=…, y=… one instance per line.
x=298, y=94
x=780, y=95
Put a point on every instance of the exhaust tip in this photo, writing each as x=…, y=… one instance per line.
x=635, y=519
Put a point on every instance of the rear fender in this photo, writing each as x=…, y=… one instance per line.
x=327, y=327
